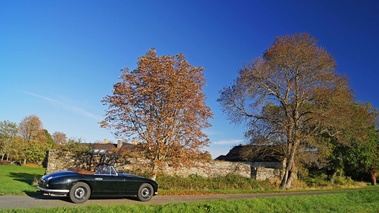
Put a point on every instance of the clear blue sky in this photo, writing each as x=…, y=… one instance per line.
x=58, y=59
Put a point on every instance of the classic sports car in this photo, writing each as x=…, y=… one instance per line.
x=80, y=185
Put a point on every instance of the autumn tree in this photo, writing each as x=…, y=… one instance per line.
x=59, y=138
x=30, y=127
x=281, y=97
x=161, y=105
x=36, y=139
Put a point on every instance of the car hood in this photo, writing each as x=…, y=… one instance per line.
x=58, y=174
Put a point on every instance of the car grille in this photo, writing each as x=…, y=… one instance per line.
x=42, y=183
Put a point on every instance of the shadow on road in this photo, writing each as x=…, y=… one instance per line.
x=40, y=196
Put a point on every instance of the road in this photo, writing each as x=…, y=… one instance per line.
x=38, y=200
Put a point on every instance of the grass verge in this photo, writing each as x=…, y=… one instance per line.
x=357, y=201
x=18, y=179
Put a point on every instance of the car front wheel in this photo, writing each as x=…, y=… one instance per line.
x=80, y=192
x=145, y=192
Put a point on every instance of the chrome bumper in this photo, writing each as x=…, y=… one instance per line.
x=54, y=191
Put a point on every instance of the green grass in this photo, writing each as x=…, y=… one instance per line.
x=18, y=179
x=357, y=201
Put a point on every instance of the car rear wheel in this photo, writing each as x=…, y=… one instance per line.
x=80, y=192
x=145, y=192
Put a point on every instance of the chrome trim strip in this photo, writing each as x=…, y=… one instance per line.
x=53, y=190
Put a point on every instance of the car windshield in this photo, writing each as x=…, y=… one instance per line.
x=105, y=170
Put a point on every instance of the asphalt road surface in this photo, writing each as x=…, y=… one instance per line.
x=38, y=200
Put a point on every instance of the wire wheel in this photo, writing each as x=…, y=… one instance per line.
x=80, y=192
x=145, y=192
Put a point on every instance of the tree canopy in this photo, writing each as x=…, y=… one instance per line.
x=161, y=105
x=26, y=142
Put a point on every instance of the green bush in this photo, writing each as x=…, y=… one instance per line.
x=199, y=183
x=317, y=181
x=343, y=180
x=322, y=180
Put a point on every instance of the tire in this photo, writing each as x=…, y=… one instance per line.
x=145, y=192
x=80, y=192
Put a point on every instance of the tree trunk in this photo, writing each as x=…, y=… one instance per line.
x=373, y=176
x=290, y=168
x=288, y=177
x=285, y=176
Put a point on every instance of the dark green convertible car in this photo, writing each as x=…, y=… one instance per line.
x=80, y=185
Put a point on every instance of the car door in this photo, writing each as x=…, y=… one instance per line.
x=107, y=181
x=131, y=184
x=108, y=185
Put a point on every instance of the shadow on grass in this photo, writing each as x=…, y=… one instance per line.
x=30, y=179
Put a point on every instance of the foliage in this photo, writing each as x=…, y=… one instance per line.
x=288, y=97
x=17, y=152
x=196, y=183
x=363, y=154
x=74, y=145
x=36, y=140
x=355, y=151
x=8, y=133
x=30, y=127
x=26, y=142
x=59, y=137
x=161, y=105
x=323, y=180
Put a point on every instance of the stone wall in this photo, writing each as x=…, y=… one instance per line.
x=266, y=170
x=59, y=160
x=262, y=173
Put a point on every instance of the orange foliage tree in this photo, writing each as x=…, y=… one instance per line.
x=36, y=140
x=288, y=97
x=161, y=105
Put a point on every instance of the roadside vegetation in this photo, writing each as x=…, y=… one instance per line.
x=23, y=179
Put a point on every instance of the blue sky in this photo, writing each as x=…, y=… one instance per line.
x=58, y=59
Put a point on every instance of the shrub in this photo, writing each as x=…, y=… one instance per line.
x=199, y=183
